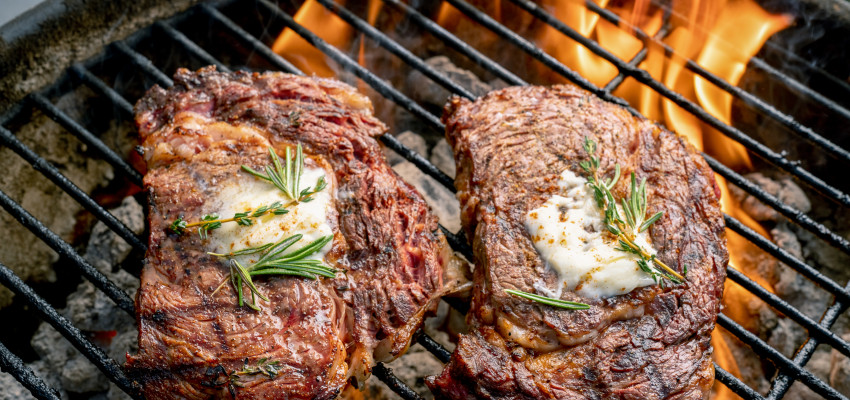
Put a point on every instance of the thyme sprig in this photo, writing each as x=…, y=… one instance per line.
x=287, y=179
x=274, y=262
x=213, y=221
x=633, y=220
x=286, y=176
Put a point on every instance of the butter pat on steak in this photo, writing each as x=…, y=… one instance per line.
x=511, y=148
x=393, y=260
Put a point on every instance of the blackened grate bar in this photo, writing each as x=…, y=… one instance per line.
x=105, y=364
x=87, y=137
x=49, y=171
x=121, y=299
x=800, y=218
x=251, y=41
x=395, y=48
x=790, y=370
x=12, y=364
x=745, y=96
x=457, y=44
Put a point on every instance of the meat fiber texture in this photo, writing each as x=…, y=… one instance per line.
x=510, y=148
x=324, y=333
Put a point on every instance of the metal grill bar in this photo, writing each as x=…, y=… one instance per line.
x=792, y=213
x=143, y=63
x=780, y=361
x=646, y=79
x=117, y=99
x=796, y=85
x=780, y=300
x=784, y=380
x=457, y=241
x=12, y=364
x=376, y=83
x=382, y=372
x=432, y=346
x=190, y=46
x=65, y=250
x=735, y=384
x=620, y=78
x=385, y=374
x=536, y=52
x=87, y=78
x=41, y=165
x=798, y=217
x=396, y=49
x=105, y=364
x=457, y=44
x=784, y=256
x=795, y=315
x=748, y=98
x=349, y=64
x=245, y=37
x=87, y=137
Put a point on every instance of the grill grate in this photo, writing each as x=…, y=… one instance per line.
x=789, y=370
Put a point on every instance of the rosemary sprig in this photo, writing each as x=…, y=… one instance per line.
x=274, y=262
x=287, y=176
x=633, y=221
x=569, y=305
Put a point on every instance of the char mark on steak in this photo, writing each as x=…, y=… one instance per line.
x=393, y=260
x=652, y=343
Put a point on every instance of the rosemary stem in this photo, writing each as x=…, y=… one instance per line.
x=658, y=262
x=220, y=285
x=193, y=224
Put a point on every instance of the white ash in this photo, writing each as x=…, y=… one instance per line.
x=410, y=140
x=443, y=157
x=60, y=364
x=411, y=368
x=41, y=197
x=423, y=89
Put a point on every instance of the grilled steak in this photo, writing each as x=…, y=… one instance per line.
x=650, y=343
x=317, y=335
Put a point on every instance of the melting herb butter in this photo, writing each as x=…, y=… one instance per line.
x=570, y=234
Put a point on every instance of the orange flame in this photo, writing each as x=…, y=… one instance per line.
x=721, y=35
x=323, y=23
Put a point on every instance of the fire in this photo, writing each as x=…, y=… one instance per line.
x=326, y=25
x=720, y=35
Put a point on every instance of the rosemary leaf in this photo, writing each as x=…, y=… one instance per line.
x=274, y=262
x=568, y=305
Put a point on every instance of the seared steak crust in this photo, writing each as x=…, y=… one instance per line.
x=510, y=147
x=324, y=332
